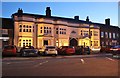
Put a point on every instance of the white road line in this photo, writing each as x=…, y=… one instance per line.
x=110, y=59
x=8, y=63
x=40, y=64
x=82, y=61
x=18, y=62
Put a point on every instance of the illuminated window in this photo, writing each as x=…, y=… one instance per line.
x=26, y=30
x=106, y=42
x=106, y=34
x=85, y=33
x=95, y=33
x=27, y=42
x=95, y=43
x=109, y=35
x=29, y=30
x=102, y=43
x=114, y=35
x=102, y=34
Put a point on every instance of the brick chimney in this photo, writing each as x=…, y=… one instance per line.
x=76, y=17
x=48, y=12
x=20, y=11
x=87, y=19
x=107, y=21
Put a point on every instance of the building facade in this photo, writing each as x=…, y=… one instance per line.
x=6, y=31
x=40, y=30
x=110, y=35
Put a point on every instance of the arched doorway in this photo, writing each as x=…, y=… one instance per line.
x=73, y=42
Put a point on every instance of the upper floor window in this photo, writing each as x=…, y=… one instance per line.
x=90, y=33
x=110, y=35
x=47, y=30
x=113, y=35
x=95, y=33
x=4, y=31
x=40, y=29
x=106, y=34
x=102, y=34
x=62, y=31
x=56, y=30
x=25, y=28
x=117, y=35
x=85, y=33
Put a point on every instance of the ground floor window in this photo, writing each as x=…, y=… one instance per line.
x=25, y=42
x=95, y=43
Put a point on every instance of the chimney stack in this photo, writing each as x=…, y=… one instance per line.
x=87, y=19
x=76, y=17
x=107, y=21
x=48, y=12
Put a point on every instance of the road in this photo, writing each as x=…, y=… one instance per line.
x=73, y=65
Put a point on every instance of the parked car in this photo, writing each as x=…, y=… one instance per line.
x=41, y=51
x=9, y=50
x=82, y=50
x=79, y=49
x=50, y=50
x=28, y=51
x=67, y=50
x=87, y=50
x=106, y=49
x=115, y=50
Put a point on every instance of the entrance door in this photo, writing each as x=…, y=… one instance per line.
x=45, y=42
x=73, y=42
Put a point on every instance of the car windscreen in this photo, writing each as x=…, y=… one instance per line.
x=8, y=47
x=28, y=47
x=50, y=47
x=117, y=46
x=70, y=47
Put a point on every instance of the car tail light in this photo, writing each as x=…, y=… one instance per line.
x=14, y=50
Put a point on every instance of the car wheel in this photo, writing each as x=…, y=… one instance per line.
x=23, y=54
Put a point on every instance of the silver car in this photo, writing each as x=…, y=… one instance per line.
x=50, y=50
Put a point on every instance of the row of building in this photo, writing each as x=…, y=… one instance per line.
x=24, y=29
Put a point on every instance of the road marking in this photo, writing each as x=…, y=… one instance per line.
x=82, y=61
x=8, y=63
x=110, y=59
x=40, y=64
